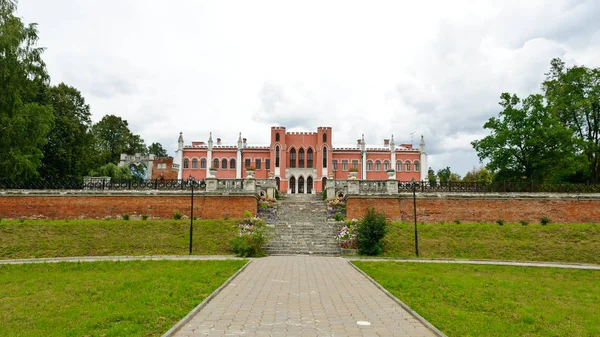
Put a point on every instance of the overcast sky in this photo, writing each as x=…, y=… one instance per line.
x=432, y=68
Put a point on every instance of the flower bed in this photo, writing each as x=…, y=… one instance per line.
x=336, y=208
x=253, y=234
x=347, y=234
x=267, y=209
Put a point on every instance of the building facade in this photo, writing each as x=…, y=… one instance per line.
x=301, y=162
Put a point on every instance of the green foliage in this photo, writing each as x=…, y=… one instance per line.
x=338, y=216
x=252, y=236
x=446, y=175
x=371, y=230
x=113, y=138
x=431, y=177
x=456, y=221
x=144, y=216
x=177, y=215
x=545, y=220
x=24, y=118
x=524, y=222
x=500, y=222
x=113, y=171
x=125, y=216
x=479, y=175
x=157, y=150
x=277, y=196
x=324, y=195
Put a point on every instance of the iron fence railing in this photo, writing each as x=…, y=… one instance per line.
x=499, y=187
x=103, y=184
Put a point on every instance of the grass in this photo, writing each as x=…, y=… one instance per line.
x=56, y=238
x=534, y=242
x=134, y=298
x=476, y=300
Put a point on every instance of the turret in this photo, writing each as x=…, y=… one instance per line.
x=240, y=141
x=422, y=145
x=363, y=146
x=392, y=144
x=180, y=142
x=210, y=142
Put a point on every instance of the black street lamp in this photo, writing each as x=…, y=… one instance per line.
x=414, y=185
x=191, y=182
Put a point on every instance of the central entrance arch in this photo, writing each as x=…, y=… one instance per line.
x=301, y=184
x=293, y=185
x=309, y=185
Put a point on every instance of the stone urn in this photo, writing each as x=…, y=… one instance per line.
x=391, y=174
x=352, y=175
x=331, y=175
x=250, y=173
x=213, y=172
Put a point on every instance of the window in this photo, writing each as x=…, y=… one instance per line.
x=162, y=166
x=268, y=164
x=309, y=158
x=195, y=163
x=407, y=166
x=386, y=165
x=324, y=138
x=378, y=166
x=277, y=137
x=416, y=166
x=334, y=162
x=257, y=163
x=399, y=165
x=247, y=162
x=231, y=164
x=344, y=165
x=293, y=158
x=355, y=164
x=216, y=163
x=277, y=156
x=325, y=157
x=301, y=158
x=186, y=163
x=370, y=165
x=203, y=163
x=224, y=164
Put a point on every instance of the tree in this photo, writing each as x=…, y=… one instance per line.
x=479, y=175
x=69, y=152
x=526, y=141
x=113, y=171
x=371, y=230
x=573, y=96
x=113, y=137
x=157, y=150
x=431, y=177
x=446, y=175
x=24, y=120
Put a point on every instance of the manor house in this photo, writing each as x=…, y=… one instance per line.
x=302, y=162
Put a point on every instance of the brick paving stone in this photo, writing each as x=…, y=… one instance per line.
x=302, y=296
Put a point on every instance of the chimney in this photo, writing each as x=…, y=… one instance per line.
x=386, y=142
x=218, y=141
x=244, y=142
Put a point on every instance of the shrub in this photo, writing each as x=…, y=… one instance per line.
x=500, y=222
x=371, y=230
x=544, y=220
x=338, y=216
x=253, y=235
x=177, y=215
x=277, y=196
x=324, y=195
x=524, y=222
x=125, y=216
x=456, y=221
x=144, y=216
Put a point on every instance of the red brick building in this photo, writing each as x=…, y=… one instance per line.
x=301, y=162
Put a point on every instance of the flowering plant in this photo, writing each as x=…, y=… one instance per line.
x=335, y=201
x=353, y=169
x=390, y=170
x=250, y=168
x=253, y=234
x=348, y=234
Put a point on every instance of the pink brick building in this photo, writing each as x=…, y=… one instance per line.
x=301, y=162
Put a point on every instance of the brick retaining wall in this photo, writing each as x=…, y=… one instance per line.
x=486, y=208
x=99, y=206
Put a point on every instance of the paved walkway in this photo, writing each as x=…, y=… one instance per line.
x=302, y=296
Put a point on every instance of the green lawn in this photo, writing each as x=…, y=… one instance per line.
x=478, y=300
x=55, y=238
x=134, y=298
x=534, y=242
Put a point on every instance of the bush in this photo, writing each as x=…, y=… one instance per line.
x=544, y=220
x=500, y=222
x=524, y=222
x=125, y=216
x=456, y=221
x=144, y=216
x=253, y=235
x=324, y=195
x=371, y=230
x=177, y=215
x=338, y=216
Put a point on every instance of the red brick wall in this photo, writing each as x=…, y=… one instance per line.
x=474, y=209
x=100, y=206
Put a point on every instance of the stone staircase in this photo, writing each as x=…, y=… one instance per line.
x=302, y=228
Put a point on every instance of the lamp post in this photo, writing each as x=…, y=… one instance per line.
x=191, y=182
x=414, y=185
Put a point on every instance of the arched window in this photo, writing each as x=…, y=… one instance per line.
x=407, y=166
x=231, y=164
x=309, y=158
x=293, y=158
x=399, y=165
x=186, y=163
x=203, y=163
x=277, y=137
x=416, y=166
x=216, y=163
x=324, y=138
x=369, y=165
x=386, y=165
x=378, y=166
x=276, y=156
x=224, y=164
x=301, y=158
x=195, y=163
x=325, y=157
